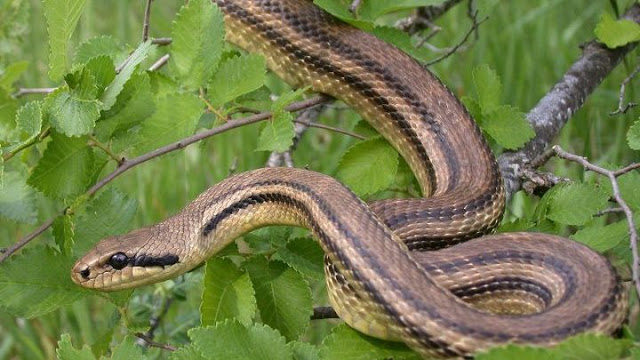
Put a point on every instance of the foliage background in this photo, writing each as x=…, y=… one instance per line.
x=529, y=44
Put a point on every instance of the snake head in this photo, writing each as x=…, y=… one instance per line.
x=126, y=261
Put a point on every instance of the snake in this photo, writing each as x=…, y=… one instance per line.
x=478, y=291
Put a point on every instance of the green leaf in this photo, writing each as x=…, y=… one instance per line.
x=369, y=166
x=8, y=109
x=603, y=238
x=103, y=71
x=347, y=344
x=62, y=17
x=237, y=76
x=133, y=105
x=29, y=120
x=283, y=296
x=227, y=294
x=232, y=341
x=66, y=351
x=70, y=114
x=633, y=136
x=507, y=126
x=11, y=74
x=368, y=11
x=592, y=347
x=285, y=99
x=36, y=282
x=176, y=117
x=304, y=255
x=63, y=233
x=510, y=352
x=575, y=204
x=277, y=133
x=268, y=239
x=197, y=34
x=629, y=184
x=402, y=40
x=189, y=352
x=127, y=350
x=304, y=351
x=17, y=199
x=110, y=94
x=488, y=87
x=97, y=46
x=111, y=212
x=615, y=33
x=64, y=171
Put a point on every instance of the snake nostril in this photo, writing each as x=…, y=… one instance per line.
x=85, y=273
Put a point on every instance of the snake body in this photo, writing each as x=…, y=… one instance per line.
x=558, y=287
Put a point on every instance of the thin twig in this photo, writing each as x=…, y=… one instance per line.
x=609, y=211
x=155, y=344
x=155, y=321
x=27, y=144
x=160, y=63
x=355, y=4
x=161, y=41
x=474, y=26
x=32, y=91
x=145, y=24
x=93, y=141
x=633, y=233
x=331, y=128
x=623, y=109
x=626, y=169
x=425, y=16
x=128, y=164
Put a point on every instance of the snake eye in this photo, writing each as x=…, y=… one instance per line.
x=118, y=261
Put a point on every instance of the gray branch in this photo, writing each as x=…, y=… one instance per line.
x=565, y=98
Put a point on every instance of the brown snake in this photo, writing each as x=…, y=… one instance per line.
x=526, y=288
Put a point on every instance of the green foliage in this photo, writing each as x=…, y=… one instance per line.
x=504, y=123
x=583, y=347
x=227, y=294
x=31, y=288
x=575, y=204
x=164, y=127
x=277, y=134
x=346, y=343
x=197, y=36
x=283, y=296
x=369, y=11
x=369, y=166
x=111, y=92
x=66, y=351
x=62, y=17
x=633, y=136
x=615, y=33
x=65, y=168
x=237, y=76
x=231, y=340
x=17, y=199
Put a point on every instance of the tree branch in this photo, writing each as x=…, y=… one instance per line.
x=129, y=164
x=565, y=98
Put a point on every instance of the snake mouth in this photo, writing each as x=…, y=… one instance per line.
x=119, y=271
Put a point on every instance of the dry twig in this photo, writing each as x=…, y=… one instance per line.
x=623, y=109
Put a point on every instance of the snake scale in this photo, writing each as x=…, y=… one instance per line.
x=490, y=290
